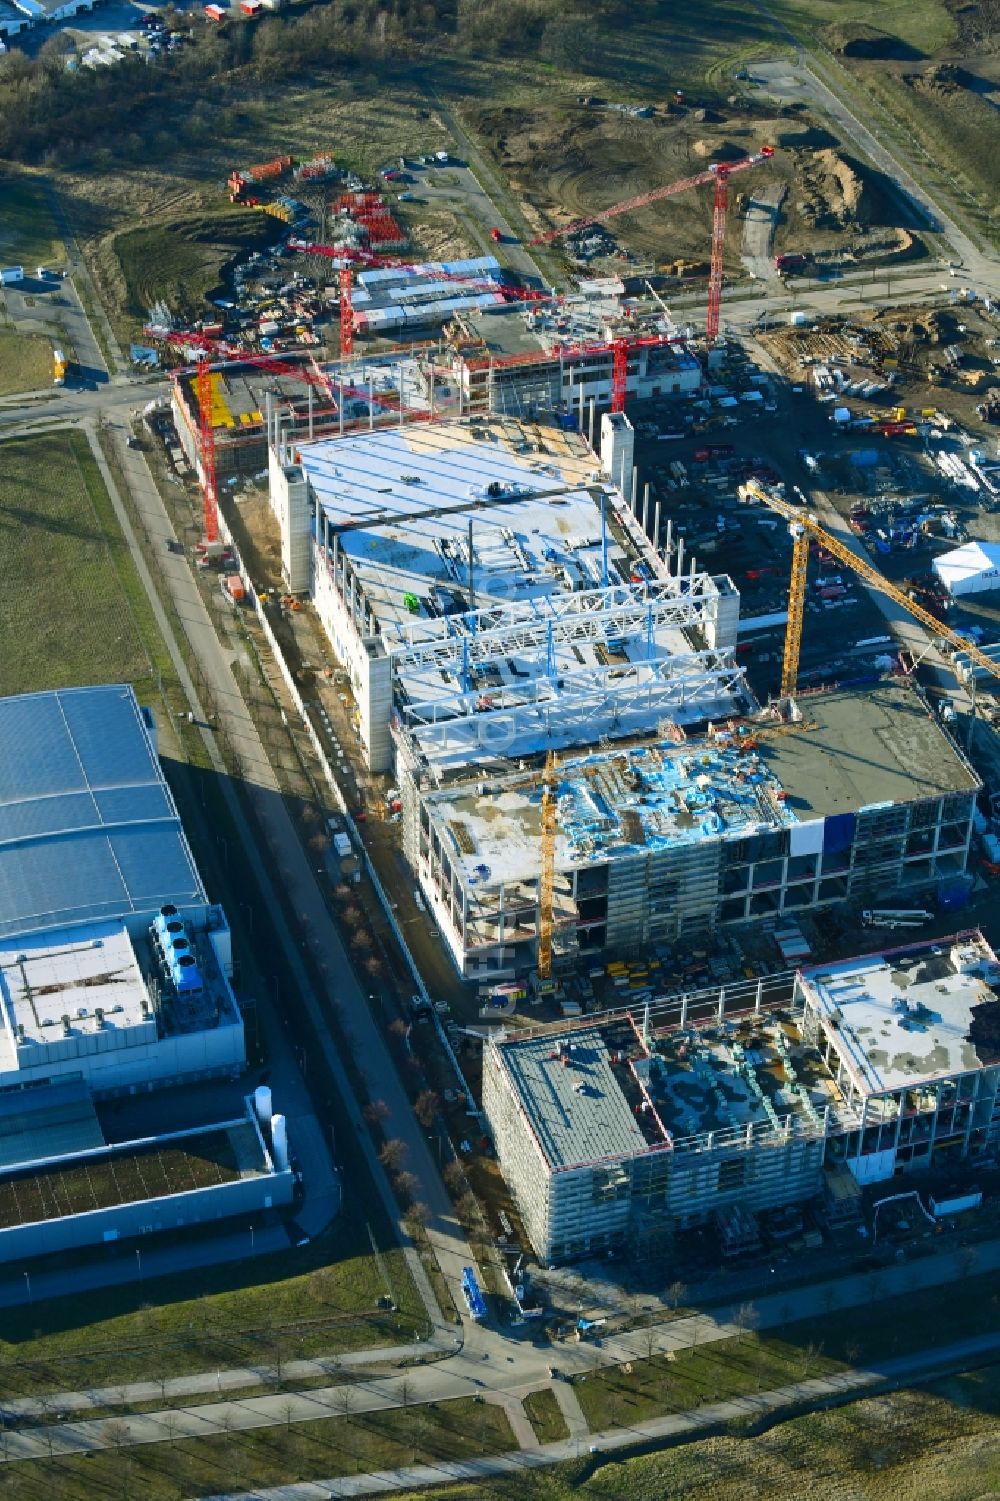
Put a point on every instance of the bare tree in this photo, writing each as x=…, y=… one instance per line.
x=747, y=1317
x=417, y=1217
x=427, y=1106
x=115, y=1433
x=344, y=1403
x=454, y=1176
x=287, y=1411
x=392, y=1154
x=170, y=1423
x=405, y=1186
x=676, y=1294
x=376, y=1111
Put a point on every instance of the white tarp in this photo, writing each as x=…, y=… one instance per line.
x=973, y=568
x=806, y=838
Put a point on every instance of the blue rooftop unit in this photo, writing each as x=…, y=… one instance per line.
x=88, y=826
x=178, y=956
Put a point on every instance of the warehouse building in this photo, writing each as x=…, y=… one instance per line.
x=624, y=1128
x=115, y=980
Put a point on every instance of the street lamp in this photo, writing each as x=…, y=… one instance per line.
x=27, y=1283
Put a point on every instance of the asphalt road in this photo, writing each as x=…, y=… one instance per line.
x=457, y=187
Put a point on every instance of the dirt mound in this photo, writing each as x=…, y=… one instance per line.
x=720, y=151
x=802, y=137
x=856, y=39
x=834, y=192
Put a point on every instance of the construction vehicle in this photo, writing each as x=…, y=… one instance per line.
x=895, y=917
x=718, y=174
x=806, y=531
x=59, y=364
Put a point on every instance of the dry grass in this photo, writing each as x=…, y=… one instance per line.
x=941, y=1445
x=338, y=1445
x=25, y=362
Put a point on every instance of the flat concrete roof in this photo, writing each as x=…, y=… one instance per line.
x=861, y=747
x=576, y=1109
x=74, y=974
x=901, y=1018
x=411, y=569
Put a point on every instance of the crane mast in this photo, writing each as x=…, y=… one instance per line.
x=806, y=529
x=546, y=884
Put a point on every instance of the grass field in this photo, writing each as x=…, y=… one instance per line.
x=72, y=611
x=939, y=1445
x=28, y=236
x=25, y=362
x=339, y=1445
x=317, y=1300
x=924, y=26
x=888, y=1327
x=545, y=1416
x=181, y=261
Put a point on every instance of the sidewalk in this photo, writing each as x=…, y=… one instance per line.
x=677, y=1425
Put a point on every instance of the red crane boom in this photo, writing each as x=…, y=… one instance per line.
x=698, y=181
x=719, y=174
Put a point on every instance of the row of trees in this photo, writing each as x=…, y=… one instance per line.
x=138, y=110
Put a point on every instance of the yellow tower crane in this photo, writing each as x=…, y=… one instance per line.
x=546, y=885
x=804, y=528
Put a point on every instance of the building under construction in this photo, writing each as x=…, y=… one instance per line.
x=494, y=599
x=241, y=396
x=617, y=1131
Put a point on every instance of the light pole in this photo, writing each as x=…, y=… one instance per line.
x=138, y=1258
x=27, y=1283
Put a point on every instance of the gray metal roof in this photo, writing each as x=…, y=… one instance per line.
x=572, y=1125
x=50, y=1122
x=88, y=828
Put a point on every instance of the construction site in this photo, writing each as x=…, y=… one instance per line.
x=608, y=620
x=619, y=1131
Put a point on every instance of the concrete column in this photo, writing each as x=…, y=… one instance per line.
x=656, y=527
x=590, y=433
x=668, y=544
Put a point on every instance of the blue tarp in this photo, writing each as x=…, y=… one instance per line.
x=838, y=832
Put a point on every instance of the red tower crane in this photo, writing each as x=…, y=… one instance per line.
x=719, y=174
x=217, y=348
